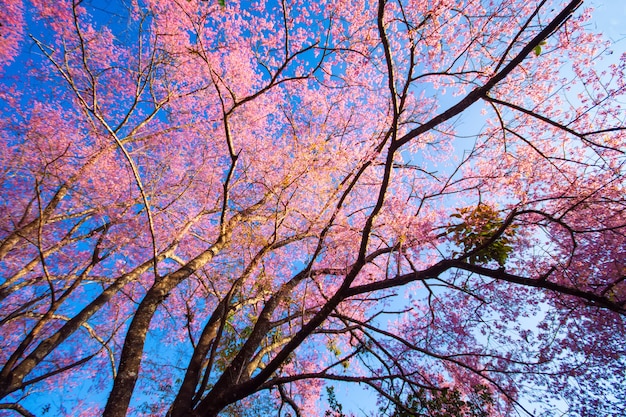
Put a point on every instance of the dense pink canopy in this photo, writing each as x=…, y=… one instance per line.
x=224, y=208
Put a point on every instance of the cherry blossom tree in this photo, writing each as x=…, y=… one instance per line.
x=223, y=208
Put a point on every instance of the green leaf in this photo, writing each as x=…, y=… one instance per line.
x=332, y=347
x=537, y=50
x=479, y=224
x=222, y=3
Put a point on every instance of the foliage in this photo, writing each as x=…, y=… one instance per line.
x=446, y=403
x=336, y=409
x=222, y=207
x=477, y=235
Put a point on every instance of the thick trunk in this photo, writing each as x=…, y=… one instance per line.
x=184, y=400
x=130, y=362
